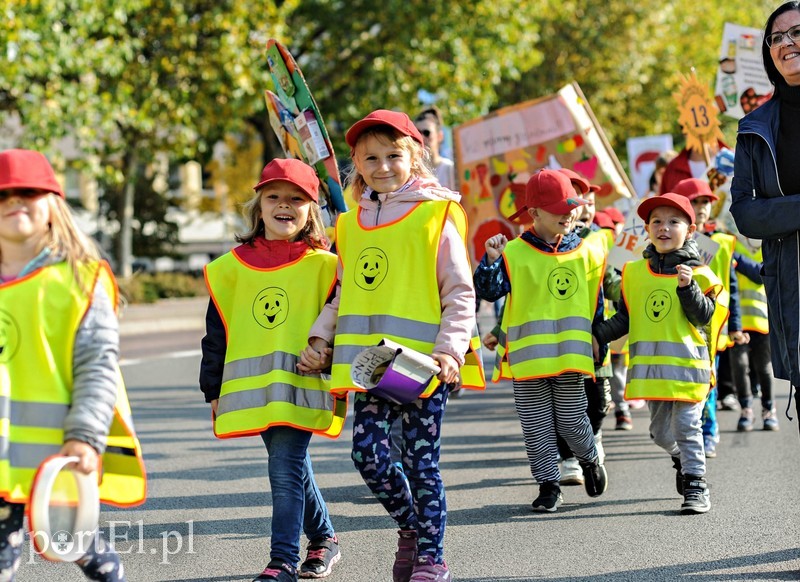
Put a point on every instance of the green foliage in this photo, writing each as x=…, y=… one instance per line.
x=145, y=288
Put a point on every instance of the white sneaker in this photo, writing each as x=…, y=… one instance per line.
x=598, y=443
x=571, y=472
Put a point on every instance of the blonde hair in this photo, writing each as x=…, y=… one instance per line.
x=313, y=233
x=388, y=135
x=66, y=240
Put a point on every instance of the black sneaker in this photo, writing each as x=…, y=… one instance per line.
x=549, y=497
x=676, y=463
x=323, y=553
x=696, y=496
x=595, y=478
x=277, y=571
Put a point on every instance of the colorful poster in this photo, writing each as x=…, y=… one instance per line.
x=742, y=85
x=497, y=153
x=642, y=155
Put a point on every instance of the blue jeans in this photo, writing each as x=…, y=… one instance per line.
x=296, y=501
x=414, y=495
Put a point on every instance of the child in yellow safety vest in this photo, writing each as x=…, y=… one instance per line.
x=265, y=294
x=61, y=391
x=553, y=282
x=404, y=275
x=668, y=301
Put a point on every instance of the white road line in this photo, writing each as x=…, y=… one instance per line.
x=169, y=356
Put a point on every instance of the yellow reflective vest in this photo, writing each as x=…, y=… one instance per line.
x=669, y=358
x=721, y=265
x=752, y=296
x=389, y=289
x=267, y=314
x=39, y=317
x=548, y=316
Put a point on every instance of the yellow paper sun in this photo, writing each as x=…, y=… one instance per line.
x=698, y=115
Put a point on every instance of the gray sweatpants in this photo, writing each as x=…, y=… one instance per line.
x=676, y=427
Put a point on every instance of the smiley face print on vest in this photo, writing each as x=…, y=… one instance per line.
x=371, y=268
x=9, y=337
x=271, y=307
x=562, y=282
x=658, y=305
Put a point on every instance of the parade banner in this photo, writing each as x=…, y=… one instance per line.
x=497, y=153
x=742, y=85
x=642, y=154
x=633, y=239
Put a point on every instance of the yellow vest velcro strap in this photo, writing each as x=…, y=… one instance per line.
x=36, y=414
x=260, y=365
x=669, y=350
x=667, y=372
x=562, y=348
x=753, y=311
x=387, y=324
x=549, y=327
x=26, y=455
x=752, y=294
x=277, y=392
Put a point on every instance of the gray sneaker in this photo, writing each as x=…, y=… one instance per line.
x=696, y=495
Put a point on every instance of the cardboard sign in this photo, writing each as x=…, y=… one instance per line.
x=697, y=115
x=742, y=84
x=507, y=146
x=642, y=154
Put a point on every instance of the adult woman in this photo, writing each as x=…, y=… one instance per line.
x=766, y=180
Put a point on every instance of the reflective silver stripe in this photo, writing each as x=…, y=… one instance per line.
x=668, y=349
x=754, y=295
x=346, y=354
x=541, y=351
x=387, y=324
x=37, y=414
x=277, y=392
x=25, y=455
x=668, y=372
x=549, y=327
x=249, y=367
x=754, y=311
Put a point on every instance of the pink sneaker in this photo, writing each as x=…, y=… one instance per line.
x=426, y=571
x=406, y=555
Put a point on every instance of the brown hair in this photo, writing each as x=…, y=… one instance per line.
x=312, y=233
x=388, y=135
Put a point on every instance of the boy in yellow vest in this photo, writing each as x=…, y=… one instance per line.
x=668, y=299
x=553, y=281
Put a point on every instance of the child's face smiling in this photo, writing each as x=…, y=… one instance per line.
x=668, y=228
x=384, y=165
x=550, y=226
x=24, y=215
x=284, y=210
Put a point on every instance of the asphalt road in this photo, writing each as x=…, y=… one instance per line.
x=207, y=515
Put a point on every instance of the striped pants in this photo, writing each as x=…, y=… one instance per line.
x=547, y=407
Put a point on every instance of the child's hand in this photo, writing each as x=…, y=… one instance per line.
x=214, y=404
x=596, y=349
x=490, y=341
x=740, y=337
x=494, y=247
x=86, y=453
x=684, y=275
x=449, y=367
x=316, y=357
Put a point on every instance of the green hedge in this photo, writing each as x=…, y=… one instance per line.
x=146, y=288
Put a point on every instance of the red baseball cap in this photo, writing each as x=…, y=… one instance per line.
x=552, y=191
x=615, y=214
x=694, y=188
x=603, y=220
x=682, y=203
x=394, y=119
x=27, y=169
x=577, y=180
x=293, y=171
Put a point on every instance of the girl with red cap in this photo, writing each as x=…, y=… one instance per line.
x=404, y=275
x=265, y=294
x=61, y=374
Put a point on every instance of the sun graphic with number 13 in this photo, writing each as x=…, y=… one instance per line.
x=698, y=114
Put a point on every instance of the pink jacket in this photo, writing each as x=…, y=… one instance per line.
x=453, y=270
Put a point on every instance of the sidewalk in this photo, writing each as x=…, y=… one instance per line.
x=163, y=316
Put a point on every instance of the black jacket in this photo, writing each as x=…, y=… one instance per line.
x=762, y=210
x=697, y=307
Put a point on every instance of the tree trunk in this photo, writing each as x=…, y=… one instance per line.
x=126, y=216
